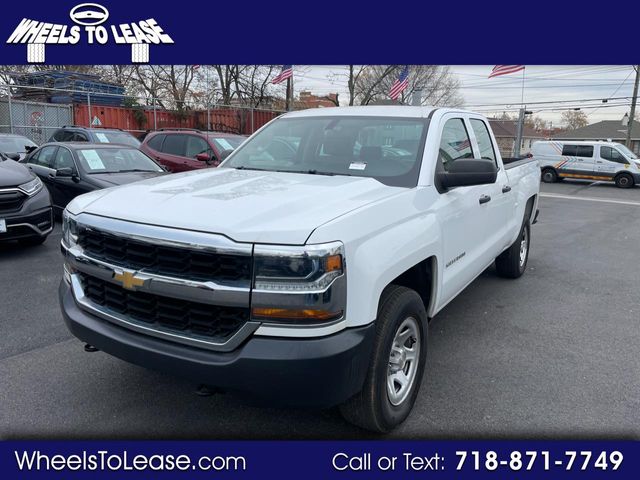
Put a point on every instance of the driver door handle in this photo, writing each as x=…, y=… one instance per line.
x=485, y=199
x=506, y=189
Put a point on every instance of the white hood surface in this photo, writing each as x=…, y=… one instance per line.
x=244, y=205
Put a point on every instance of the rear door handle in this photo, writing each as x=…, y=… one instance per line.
x=506, y=189
x=485, y=199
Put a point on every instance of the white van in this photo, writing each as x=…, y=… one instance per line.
x=588, y=160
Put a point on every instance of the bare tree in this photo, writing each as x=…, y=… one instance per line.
x=438, y=85
x=574, y=119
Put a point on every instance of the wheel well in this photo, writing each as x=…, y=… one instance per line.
x=420, y=278
x=619, y=174
x=528, y=209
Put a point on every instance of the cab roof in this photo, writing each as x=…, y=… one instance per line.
x=374, y=111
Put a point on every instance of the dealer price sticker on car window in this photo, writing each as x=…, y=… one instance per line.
x=3, y=225
x=102, y=137
x=93, y=159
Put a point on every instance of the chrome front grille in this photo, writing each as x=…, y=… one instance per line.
x=164, y=259
x=217, y=323
x=182, y=286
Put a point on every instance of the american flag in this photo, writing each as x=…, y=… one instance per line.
x=400, y=84
x=286, y=72
x=505, y=69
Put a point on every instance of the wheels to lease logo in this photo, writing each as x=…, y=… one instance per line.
x=89, y=14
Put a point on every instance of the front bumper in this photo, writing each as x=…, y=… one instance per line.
x=33, y=219
x=318, y=372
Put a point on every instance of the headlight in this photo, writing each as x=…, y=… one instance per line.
x=308, y=268
x=299, y=285
x=69, y=230
x=32, y=187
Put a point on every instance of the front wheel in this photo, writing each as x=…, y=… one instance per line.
x=513, y=261
x=397, y=363
x=624, y=180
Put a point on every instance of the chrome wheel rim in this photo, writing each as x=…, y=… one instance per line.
x=524, y=247
x=403, y=361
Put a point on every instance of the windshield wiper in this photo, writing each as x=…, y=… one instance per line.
x=243, y=167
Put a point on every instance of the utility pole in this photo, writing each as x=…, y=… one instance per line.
x=289, y=101
x=519, y=130
x=417, y=97
x=633, y=106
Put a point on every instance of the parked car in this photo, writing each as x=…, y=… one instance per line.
x=12, y=144
x=71, y=169
x=182, y=149
x=25, y=205
x=73, y=133
x=585, y=160
x=305, y=277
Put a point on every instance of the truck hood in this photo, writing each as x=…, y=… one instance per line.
x=244, y=205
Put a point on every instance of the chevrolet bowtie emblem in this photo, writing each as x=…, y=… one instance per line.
x=128, y=280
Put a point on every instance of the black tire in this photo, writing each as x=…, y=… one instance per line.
x=624, y=180
x=32, y=241
x=509, y=263
x=372, y=408
x=549, y=175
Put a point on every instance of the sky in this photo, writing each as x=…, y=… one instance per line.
x=548, y=89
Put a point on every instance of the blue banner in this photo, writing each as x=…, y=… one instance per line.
x=329, y=32
x=319, y=460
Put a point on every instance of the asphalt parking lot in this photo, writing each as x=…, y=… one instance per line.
x=555, y=354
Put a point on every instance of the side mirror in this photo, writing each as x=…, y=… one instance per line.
x=64, y=172
x=465, y=172
x=203, y=157
x=13, y=156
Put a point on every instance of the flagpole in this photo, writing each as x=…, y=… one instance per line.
x=524, y=69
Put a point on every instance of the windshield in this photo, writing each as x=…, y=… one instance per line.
x=387, y=149
x=114, y=160
x=123, y=138
x=227, y=143
x=627, y=153
x=15, y=144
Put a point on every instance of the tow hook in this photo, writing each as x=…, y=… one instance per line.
x=90, y=348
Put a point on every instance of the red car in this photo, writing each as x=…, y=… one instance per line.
x=180, y=150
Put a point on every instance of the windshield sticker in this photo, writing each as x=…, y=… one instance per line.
x=102, y=137
x=357, y=166
x=224, y=144
x=93, y=159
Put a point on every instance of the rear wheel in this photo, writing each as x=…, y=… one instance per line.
x=624, y=180
x=549, y=175
x=513, y=262
x=397, y=363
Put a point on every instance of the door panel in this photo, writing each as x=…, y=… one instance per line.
x=609, y=162
x=472, y=229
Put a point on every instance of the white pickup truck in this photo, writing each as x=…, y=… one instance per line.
x=305, y=268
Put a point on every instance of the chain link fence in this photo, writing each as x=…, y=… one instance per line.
x=36, y=112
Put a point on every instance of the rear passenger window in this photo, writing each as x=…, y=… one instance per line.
x=578, y=150
x=156, y=142
x=175, y=145
x=484, y=139
x=45, y=157
x=455, y=143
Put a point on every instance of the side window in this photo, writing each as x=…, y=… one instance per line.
x=584, y=151
x=455, y=143
x=484, y=139
x=46, y=156
x=175, y=144
x=78, y=137
x=64, y=159
x=570, y=150
x=613, y=155
x=196, y=145
x=58, y=135
x=155, y=142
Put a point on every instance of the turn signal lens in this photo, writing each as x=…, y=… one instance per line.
x=288, y=314
x=333, y=263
